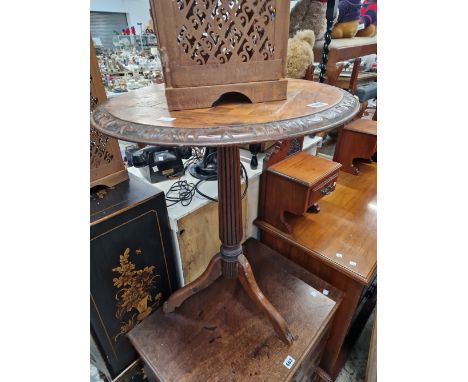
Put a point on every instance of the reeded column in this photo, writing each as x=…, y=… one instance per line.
x=230, y=209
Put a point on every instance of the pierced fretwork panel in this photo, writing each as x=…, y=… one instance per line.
x=100, y=154
x=222, y=31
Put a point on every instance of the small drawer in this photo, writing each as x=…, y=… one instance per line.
x=324, y=188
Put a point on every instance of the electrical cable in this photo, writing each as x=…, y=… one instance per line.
x=183, y=192
x=180, y=192
x=215, y=177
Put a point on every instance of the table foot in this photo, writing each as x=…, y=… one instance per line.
x=210, y=275
x=247, y=280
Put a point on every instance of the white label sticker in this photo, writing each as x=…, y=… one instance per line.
x=289, y=361
x=317, y=104
x=160, y=158
x=325, y=292
x=166, y=119
x=339, y=255
x=361, y=26
x=313, y=293
x=352, y=263
x=155, y=168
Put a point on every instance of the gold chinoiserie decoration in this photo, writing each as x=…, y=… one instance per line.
x=134, y=292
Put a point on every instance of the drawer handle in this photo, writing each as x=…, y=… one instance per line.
x=326, y=190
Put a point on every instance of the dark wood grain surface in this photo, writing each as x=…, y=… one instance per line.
x=207, y=339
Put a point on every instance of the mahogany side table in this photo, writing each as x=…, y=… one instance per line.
x=143, y=116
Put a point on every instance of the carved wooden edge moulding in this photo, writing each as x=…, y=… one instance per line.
x=229, y=134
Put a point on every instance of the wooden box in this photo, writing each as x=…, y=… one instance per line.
x=132, y=268
x=295, y=185
x=213, y=47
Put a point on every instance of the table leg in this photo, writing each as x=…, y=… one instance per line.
x=230, y=233
x=210, y=275
x=230, y=261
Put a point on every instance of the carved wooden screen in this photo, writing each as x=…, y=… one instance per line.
x=107, y=167
x=209, y=42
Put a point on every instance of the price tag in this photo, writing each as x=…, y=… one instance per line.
x=289, y=361
x=155, y=168
x=166, y=119
x=317, y=104
x=360, y=26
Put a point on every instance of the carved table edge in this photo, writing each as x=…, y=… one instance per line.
x=226, y=135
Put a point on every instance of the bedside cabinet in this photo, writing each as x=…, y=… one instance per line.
x=132, y=268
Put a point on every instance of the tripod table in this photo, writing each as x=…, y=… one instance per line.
x=142, y=116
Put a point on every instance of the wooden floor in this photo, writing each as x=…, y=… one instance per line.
x=346, y=223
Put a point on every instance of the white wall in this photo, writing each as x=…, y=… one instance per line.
x=137, y=10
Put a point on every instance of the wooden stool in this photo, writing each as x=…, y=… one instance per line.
x=356, y=140
x=295, y=185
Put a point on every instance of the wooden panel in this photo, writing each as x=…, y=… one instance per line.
x=205, y=96
x=187, y=76
x=218, y=36
x=107, y=167
x=220, y=42
x=199, y=238
x=209, y=340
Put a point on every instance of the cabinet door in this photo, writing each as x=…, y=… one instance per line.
x=132, y=273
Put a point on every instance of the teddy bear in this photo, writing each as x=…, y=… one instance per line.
x=300, y=54
x=309, y=14
x=368, y=19
x=348, y=19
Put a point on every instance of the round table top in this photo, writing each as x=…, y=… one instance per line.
x=142, y=116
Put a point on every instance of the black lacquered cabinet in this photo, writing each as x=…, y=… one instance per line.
x=132, y=266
